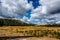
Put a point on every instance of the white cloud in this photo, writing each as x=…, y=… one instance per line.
x=52, y=5
x=13, y=8
x=25, y=19
x=48, y=13
x=58, y=22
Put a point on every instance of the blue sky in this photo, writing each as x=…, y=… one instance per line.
x=35, y=5
x=31, y=11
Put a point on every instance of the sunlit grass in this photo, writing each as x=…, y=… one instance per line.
x=30, y=31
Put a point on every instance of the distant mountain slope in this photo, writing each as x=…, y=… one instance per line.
x=12, y=22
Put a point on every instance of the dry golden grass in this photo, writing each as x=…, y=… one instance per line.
x=11, y=31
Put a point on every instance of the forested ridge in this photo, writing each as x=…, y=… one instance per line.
x=12, y=22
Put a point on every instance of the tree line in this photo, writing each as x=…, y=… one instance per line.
x=10, y=22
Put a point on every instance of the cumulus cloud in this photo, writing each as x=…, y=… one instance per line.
x=25, y=19
x=14, y=8
x=52, y=5
x=48, y=13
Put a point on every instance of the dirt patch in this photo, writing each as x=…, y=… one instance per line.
x=34, y=38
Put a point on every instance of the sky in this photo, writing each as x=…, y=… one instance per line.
x=31, y=11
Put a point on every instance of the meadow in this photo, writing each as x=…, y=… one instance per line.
x=30, y=31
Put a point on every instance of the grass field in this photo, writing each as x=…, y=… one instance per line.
x=35, y=31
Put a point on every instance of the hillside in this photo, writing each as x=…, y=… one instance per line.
x=12, y=22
